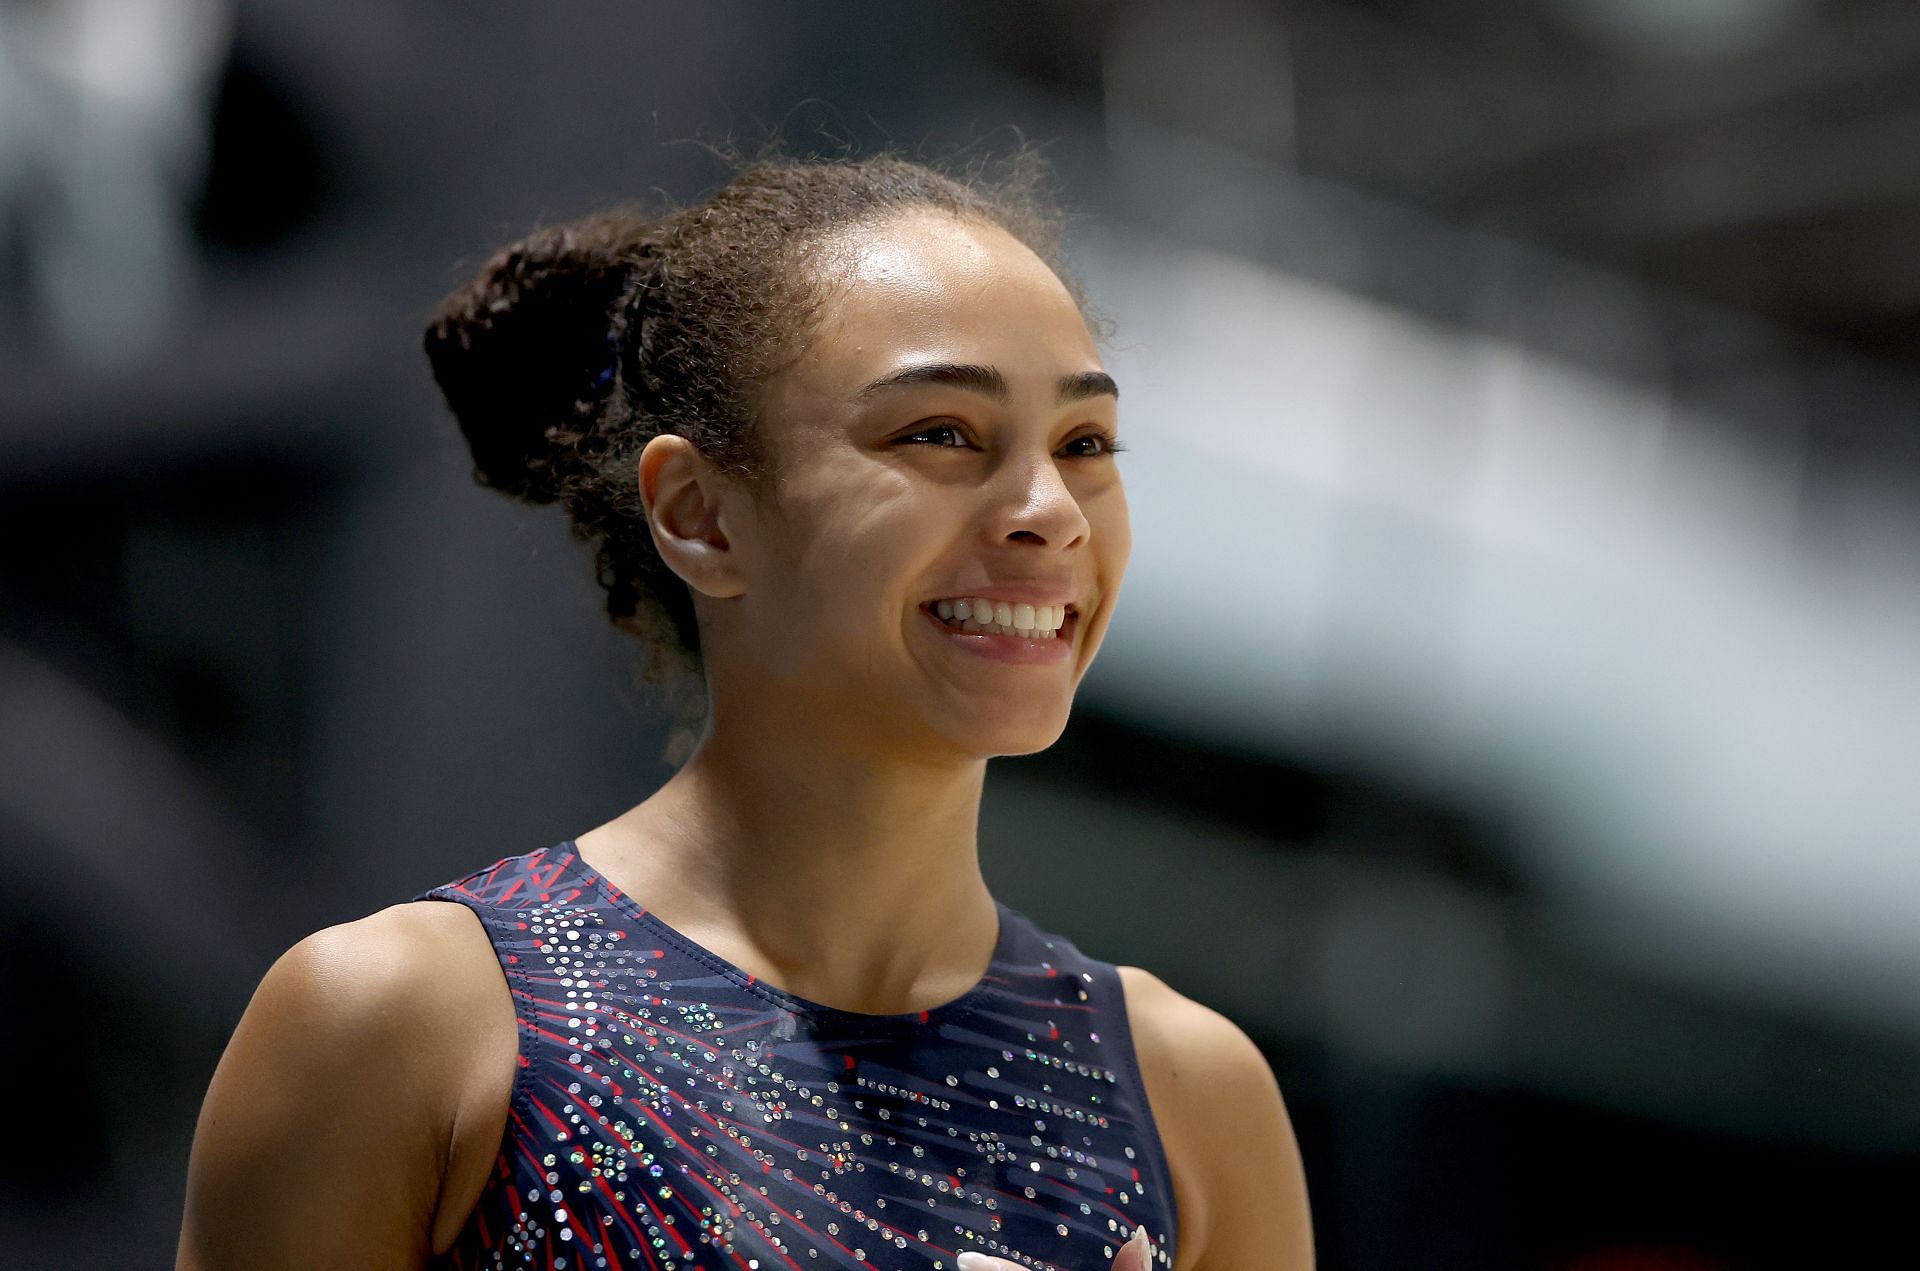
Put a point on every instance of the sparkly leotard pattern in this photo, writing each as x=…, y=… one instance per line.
x=672, y=1112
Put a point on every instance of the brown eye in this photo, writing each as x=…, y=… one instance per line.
x=937, y=428
x=1109, y=445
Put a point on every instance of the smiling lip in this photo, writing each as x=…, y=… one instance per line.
x=1021, y=650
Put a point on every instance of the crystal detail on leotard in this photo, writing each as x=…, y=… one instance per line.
x=672, y=1113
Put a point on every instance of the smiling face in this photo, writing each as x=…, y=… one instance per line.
x=943, y=434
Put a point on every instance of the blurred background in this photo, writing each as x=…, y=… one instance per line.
x=1511, y=711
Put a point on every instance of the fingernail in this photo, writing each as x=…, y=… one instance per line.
x=971, y=1261
x=1139, y=1237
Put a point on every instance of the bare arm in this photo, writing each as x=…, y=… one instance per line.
x=1239, y=1185
x=323, y=1139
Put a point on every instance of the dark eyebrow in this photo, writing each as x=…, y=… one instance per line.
x=1074, y=388
x=988, y=380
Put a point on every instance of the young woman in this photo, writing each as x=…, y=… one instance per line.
x=843, y=438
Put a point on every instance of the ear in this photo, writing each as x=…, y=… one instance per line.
x=683, y=492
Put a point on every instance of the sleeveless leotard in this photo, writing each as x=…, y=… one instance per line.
x=672, y=1112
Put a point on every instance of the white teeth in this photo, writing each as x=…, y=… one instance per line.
x=979, y=614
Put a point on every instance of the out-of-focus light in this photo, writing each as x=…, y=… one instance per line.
x=100, y=160
x=1471, y=564
x=1699, y=29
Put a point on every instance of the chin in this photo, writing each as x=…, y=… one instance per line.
x=1033, y=749
x=1025, y=739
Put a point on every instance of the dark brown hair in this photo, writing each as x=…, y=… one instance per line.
x=574, y=347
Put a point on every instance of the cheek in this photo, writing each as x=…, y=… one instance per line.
x=863, y=542
x=1112, y=528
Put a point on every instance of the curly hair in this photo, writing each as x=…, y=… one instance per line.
x=573, y=348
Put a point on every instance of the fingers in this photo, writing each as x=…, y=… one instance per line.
x=1135, y=1255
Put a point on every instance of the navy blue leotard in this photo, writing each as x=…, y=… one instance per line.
x=672, y=1112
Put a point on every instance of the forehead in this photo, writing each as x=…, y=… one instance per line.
x=928, y=285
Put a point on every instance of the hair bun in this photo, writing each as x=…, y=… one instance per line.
x=521, y=354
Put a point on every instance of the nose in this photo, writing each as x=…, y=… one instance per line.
x=1041, y=509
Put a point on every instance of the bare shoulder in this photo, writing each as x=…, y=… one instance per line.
x=339, y=1092
x=1238, y=1182
x=394, y=949
x=406, y=978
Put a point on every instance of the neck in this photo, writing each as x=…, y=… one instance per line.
x=832, y=874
